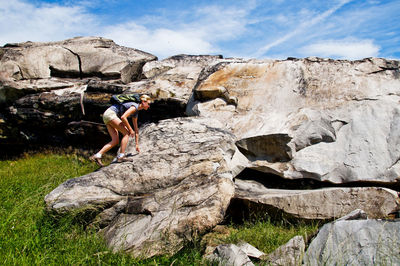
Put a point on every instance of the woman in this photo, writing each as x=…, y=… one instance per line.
x=116, y=119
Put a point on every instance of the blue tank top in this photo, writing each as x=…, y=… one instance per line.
x=120, y=109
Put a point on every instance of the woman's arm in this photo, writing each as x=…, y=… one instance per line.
x=124, y=119
x=135, y=126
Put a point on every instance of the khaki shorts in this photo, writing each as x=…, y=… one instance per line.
x=109, y=115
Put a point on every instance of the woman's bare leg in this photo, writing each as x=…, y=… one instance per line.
x=124, y=143
x=113, y=127
x=114, y=139
x=119, y=125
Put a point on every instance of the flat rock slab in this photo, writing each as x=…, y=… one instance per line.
x=178, y=186
x=325, y=203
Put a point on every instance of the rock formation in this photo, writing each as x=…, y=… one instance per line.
x=178, y=186
x=42, y=86
x=313, y=118
x=78, y=57
x=290, y=253
x=314, y=204
x=356, y=242
x=230, y=254
x=319, y=137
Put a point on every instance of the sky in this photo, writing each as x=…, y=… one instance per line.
x=277, y=29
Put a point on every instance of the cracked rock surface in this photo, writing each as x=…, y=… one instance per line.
x=321, y=204
x=76, y=57
x=179, y=185
x=356, y=242
x=328, y=120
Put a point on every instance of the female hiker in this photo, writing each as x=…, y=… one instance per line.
x=116, y=119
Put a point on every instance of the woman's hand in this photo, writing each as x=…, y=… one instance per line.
x=137, y=148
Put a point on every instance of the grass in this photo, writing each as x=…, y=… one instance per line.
x=28, y=236
x=268, y=235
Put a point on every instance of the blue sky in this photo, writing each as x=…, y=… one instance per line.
x=341, y=29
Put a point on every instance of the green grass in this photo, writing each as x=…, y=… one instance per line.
x=28, y=236
x=268, y=235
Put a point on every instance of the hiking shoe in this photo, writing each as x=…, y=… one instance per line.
x=124, y=159
x=97, y=160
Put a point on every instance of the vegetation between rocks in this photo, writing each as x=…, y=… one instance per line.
x=28, y=236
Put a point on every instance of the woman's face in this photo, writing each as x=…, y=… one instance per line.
x=145, y=105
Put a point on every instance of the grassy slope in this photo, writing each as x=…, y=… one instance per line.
x=29, y=237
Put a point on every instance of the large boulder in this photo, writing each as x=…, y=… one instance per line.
x=77, y=57
x=175, y=77
x=328, y=120
x=47, y=86
x=179, y=185
x=356, y=242
x=34, y=67
x=323, y=204
x=198, y=62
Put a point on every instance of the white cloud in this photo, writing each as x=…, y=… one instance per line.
x=197, y=30
x=220, y=23
x=243, y=28
x=344, y=49
x=206, y=26
x=22, y=21
x=161, y=42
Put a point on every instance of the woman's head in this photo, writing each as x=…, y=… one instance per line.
x=146, y=100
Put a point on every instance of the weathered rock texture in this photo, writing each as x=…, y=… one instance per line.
x=327, y=120
x=356, y=242
x=176, y=76
x=171, y=82
x=324, y=204
x=77, y=57
x=43, y=85
x=335, y=122
x=178, y=186
x=77, y=103
x=290, y=253
x=229, y=254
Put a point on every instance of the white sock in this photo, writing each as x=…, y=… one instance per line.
x=121, y=155
x=97, y=155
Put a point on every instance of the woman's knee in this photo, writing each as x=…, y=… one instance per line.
x=114, y=142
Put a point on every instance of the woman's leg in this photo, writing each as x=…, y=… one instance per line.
x=124, y=143
x=113, y=132
x=118, y=125
x=114, y=141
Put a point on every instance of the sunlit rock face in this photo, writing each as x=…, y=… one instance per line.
x=329, y=120
x=355, y=242
x=77, y=57
x=43, y=86
x=314, y=204
x=178, y=186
